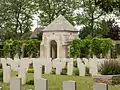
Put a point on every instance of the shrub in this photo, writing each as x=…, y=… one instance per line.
x=64, y=71
x=87, y=71
x=1, y=75
x=0, y=66
x=31, y=65
x=111, y=67
x=30, y=71
x=75, y=64
x=53, y=71
x=43, y=69
x=31, y=82
x=75, y=71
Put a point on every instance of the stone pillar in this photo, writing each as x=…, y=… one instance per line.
x=41, y=84
x=100, y=86
x=15, y=84
x=69, y=85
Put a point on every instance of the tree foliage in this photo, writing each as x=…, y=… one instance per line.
x=108, y=5
x=28, y=47
x=15, y=18
x=95, y=46
x=114, y=30
x=90, y=19
x=50, y=9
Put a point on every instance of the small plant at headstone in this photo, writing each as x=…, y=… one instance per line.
x=111, y=67
x=30, y=71
x=75, y=71
x=64, y=70
x=75, y=64
x=53, y=71
x=0, y=66
x=43, y=69
x=87, y=71
x=1, y=75
x=31, y=65
x=31, y=82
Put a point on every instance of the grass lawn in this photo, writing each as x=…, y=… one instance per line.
x=55, y=82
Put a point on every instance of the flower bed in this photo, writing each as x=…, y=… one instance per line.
x=108, y=79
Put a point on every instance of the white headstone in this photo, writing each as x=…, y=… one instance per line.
x=22, y=74
x=81, y=67
x=93, y=67
x=48, y=68
x=41, y=84
x=69, y=85
x=15, y=84
x=6, y=74
x=70, y=68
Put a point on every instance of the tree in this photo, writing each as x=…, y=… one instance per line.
x=50, y=9
x=90, y=18
x=114, y=30
x=16, y=18
x=108, y=5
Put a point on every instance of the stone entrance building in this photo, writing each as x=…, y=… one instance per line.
x=56, y=39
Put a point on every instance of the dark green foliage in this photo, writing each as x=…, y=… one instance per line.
x=0, y=65
x=87, y=71
x=1, y=75
x=111, y=67
x=118, y=49
x=31, y=82
x=75, y=64
x=16, y=18
x=30, y=71
x=101, y=45
x=75, y=48
x=30, y=48
x=108, y=5
x=53, y=71
x=31, y=65
x=64, y=71
x=75, y=71
x=85, y=47
x=43, y=69
x=53, y=8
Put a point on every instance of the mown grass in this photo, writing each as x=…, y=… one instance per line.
x=55, y=82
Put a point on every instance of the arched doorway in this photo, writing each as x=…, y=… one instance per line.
x=53, y=49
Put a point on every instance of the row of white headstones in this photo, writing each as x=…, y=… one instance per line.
x=21, y=66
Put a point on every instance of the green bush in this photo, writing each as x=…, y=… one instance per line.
x=31, y=82
x=31, y=65
x=53, y=71
x=111, y=67
x=0, y=66
x=76, y=71
x=75, y=64
x=85, y=47
x=43, y=69
x=30, y=70
x=64, y=71
x=1, y=75
x=87, y=71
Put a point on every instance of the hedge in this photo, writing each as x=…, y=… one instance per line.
x=95, y=46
